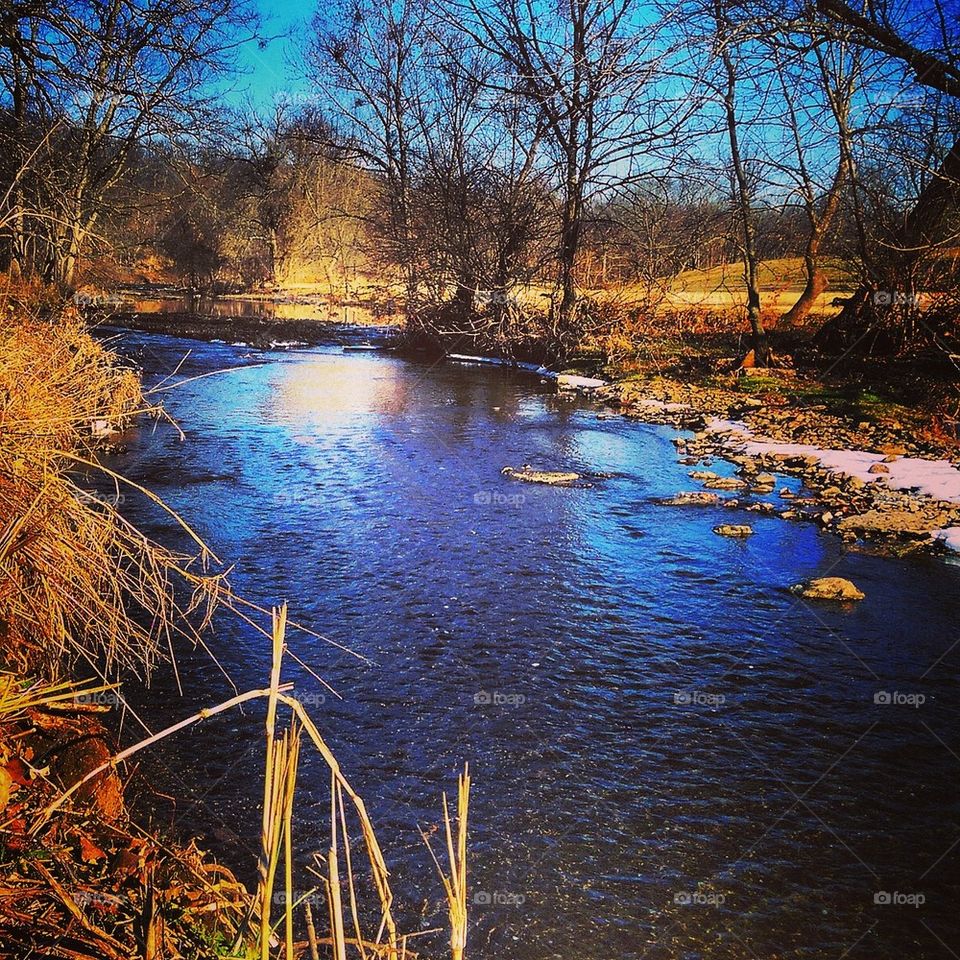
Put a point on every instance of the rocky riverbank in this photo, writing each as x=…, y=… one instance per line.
x=883, y=483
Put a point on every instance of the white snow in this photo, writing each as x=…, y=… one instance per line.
x=652, y=404
x=498, y=362
x=951, y=537
x=567, y=381
x=936, y=478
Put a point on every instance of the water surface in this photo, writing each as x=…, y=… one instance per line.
x=672, y=756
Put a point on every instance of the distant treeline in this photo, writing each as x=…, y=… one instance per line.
x=464, y=152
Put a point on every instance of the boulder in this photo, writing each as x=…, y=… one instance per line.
x=828, y=588
x=694, y=498
x=726, y=483
x=733, y=530
x=881, y=524
x=555, y=478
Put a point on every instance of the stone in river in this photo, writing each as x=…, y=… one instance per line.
x=726, y=483
x=733, y=530
x=555, y=478
x=694, y=498
x=828, y=588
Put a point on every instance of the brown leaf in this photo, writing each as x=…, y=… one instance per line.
x=6, y=788
x=89, y=851
x=19, y=771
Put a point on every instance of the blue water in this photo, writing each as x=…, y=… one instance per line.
x=678, y=759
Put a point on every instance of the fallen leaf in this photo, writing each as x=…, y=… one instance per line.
x=89, y=851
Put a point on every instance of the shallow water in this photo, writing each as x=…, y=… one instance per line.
x=279, y=309
x=672, y=755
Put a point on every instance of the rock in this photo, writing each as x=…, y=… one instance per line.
x=831, y=492
x=880, y=524
x=787, y=494
x=103, y=791
x=828, y=588
x=695, y=498
x=555, y=478
x=733, y=530
x=893, y=449
x=703, y=475
x=765, y=480
x=879, y=468
x=726, y=483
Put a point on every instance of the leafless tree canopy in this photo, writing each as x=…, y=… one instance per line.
x=500, y=161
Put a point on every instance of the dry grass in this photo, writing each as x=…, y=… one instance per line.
x=79, y=582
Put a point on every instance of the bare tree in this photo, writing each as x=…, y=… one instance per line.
x=743, y=189
x=586, y=71
x=925, y=39
x=368, y=57
x=116, y=75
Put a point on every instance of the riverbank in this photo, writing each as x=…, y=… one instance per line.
x=890, y=481
x=85, y=593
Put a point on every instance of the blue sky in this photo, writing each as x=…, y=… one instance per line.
x=270, y=73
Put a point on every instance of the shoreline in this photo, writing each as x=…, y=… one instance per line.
x=872, y=484
x=876, y=483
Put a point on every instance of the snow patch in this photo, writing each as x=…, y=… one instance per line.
x=936, y=478
x=950, y=536
x=567, y=381
x=498, y=362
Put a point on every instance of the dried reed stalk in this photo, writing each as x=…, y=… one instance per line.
x=455, y=885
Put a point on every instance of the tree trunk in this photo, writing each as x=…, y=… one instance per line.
x=751, y=263
x=816, y=280
x=883, y=313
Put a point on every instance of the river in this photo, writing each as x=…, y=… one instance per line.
x=672, y=756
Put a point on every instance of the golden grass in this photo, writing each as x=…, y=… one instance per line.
x=282, y=750
x=80, y=582
x=77, y=580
